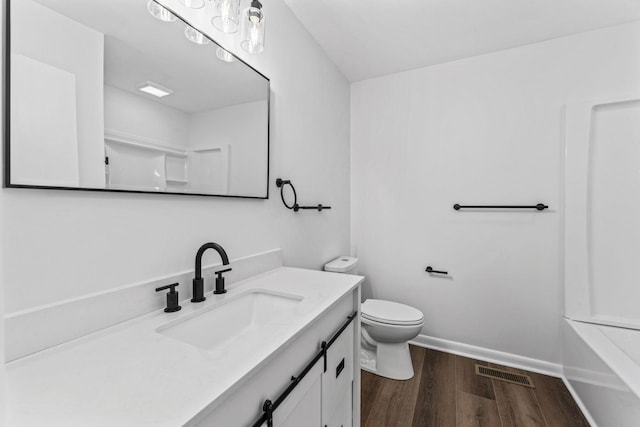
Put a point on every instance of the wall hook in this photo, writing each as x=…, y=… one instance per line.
x=430, y=269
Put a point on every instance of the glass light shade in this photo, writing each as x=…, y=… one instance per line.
x=225, y=55
x=225, y=15
x=193, y=4
x=195, y=36
x=160, y=12
x=252, y=33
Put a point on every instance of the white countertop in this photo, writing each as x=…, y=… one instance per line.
x=130, y=375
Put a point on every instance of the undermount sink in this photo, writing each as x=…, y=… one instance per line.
x=252, y=312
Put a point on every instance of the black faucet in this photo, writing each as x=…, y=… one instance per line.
x=198, y=281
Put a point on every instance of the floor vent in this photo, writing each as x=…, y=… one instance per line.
x=499, y=374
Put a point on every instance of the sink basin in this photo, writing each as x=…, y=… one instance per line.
x=253, y=312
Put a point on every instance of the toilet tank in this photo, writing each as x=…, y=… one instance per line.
x=343, y=264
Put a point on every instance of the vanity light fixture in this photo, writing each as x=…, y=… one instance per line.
x=226, y=18
x=154, y=89
x=193, y=4
x=225, y=15
x=160, y=12
x=195, y=36
x=252, y=33
x=225, y=55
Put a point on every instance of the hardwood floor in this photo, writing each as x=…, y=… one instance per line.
x=446, y=392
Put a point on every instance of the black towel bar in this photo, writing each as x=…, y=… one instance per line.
x=539, y=207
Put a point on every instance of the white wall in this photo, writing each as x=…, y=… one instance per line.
x=2, y=304
x=140, y=116
x=44, y=46
x=484, y=130
x=58, y=245
x=241, y=127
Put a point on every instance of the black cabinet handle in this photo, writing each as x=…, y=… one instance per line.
x=339, y=368
x=429, y=269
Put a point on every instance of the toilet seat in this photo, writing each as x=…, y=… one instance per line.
x=391, y=313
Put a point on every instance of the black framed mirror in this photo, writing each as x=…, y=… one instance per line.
x=102, y=95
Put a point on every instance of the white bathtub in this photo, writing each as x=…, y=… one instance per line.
x=602, y=367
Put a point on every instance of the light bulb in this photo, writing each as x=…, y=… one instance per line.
x=252, y=38
x=254, y=34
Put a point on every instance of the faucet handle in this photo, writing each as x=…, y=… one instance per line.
x=172, y=297
x=171, y=287
x=220, y=282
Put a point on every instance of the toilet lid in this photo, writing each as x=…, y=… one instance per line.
x=390, y=312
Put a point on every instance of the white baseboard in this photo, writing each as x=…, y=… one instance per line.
x=581, y=405
x=38, y=328
x=489, y=355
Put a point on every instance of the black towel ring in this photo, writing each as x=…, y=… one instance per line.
x=280, y=183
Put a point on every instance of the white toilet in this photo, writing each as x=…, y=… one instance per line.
x=386, y=329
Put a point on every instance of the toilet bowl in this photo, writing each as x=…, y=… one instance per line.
x=386, y=329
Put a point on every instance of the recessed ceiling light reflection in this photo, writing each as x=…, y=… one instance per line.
x=160, y=12
x=193, y=4
x=195, y=36
x=224, y=55
x=154, y=89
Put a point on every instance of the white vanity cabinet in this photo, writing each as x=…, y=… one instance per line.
x=141, y=375
x=337, y=381
x=322, y=398
x=304, y=404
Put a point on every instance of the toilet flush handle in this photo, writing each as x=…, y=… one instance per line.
x=429, y=269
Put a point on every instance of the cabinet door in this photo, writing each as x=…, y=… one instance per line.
x=343, y=416
x=337, y=381
x=303, y=406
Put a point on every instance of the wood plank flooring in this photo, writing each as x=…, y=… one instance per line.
x=446, y=392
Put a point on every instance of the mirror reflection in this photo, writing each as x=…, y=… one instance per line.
x=106, y=96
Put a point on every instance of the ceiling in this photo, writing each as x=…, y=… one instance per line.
x=140, y=48
x=370, y=38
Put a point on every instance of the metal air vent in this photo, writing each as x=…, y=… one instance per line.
x=499, y=374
